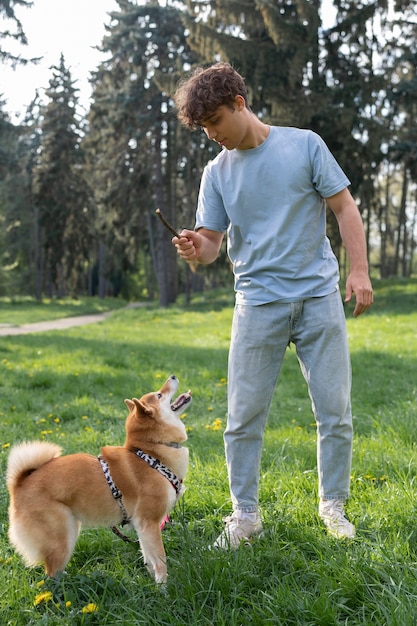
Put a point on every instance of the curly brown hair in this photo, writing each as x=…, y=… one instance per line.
x=208, y=88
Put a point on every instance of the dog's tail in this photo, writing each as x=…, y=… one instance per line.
x=26, y=458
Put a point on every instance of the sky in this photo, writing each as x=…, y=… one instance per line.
x=70, y=27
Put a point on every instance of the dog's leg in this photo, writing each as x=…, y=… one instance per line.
x=153, y=551
x=59, y=547
x=47, y=537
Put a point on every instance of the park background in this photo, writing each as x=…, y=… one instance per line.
x=78, y=192
x=79, y=188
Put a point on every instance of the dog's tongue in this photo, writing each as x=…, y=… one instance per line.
x=182, y=399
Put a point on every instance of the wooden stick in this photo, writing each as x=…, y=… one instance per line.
x=167, y=224
x=192, y=265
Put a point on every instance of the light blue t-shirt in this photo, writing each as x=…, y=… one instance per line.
x=270, y=200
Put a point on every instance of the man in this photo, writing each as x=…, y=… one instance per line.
x=267, y=189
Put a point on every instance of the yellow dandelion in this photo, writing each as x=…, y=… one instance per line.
x=45, y=596
x=40, y=583
x=6, y=445
x=57, y=420
x=209, y=408
x=90, y=608
x=84, y=417
x=68, y=604
x=215, y=425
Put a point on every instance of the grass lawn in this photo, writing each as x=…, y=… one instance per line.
x=69, y=387
x=21, y=310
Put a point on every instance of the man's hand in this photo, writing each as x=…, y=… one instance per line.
x=188, y=245
x=359, y=283
x=200, y=246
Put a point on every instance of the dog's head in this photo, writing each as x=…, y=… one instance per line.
x=156, y=416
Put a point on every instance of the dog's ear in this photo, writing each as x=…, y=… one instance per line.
x=130, y=404
x=144, y=407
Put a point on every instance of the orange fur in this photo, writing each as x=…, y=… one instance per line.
x=52, y=496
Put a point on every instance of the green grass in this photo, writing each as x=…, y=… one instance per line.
x=25, y=310
x=69, y=387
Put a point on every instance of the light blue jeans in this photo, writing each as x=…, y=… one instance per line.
x=260, y=336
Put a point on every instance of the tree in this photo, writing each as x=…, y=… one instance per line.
x=403, y=143
x=16, y=34
x=66, y=210
x=21, y=241
x=8, y=149
x=133, y=139
x=273, y=44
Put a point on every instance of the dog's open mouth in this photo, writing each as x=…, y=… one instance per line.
x=182, y=400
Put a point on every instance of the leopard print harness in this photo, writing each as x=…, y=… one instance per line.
x=150, y=460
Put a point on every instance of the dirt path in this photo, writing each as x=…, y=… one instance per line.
x=61, y=324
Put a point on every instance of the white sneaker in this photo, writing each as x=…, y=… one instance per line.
x=333, y=515
x=239, y=529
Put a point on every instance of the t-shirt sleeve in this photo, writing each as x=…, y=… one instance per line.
x=327, y=175
x=211, y=213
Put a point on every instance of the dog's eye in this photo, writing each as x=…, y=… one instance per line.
x=159, y=396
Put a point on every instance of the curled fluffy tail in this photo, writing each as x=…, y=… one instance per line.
x=27, y=457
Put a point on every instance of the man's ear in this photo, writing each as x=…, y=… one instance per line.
x=240, y=103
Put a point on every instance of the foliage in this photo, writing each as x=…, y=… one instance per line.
x=13, y=30
x=273, y=44
x=132, y=140
x=69, y=387
x=66, y=210
x=21, y=260
x=353, y=82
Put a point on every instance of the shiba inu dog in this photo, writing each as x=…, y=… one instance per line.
x=53, y=496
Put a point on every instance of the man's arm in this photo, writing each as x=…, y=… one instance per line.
x=353, y=236
x=202, y=246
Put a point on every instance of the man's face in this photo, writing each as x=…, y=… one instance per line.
x=226, y=125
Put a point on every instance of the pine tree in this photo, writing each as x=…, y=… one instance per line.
x=66, y=211
x=132, y=141
x=403, y=142
x=8, y=158
x=13, y=34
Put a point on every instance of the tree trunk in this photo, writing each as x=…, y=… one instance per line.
x=401, y=244
x=101, y=263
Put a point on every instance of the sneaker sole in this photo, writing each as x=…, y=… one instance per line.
x=244, y=541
